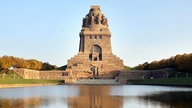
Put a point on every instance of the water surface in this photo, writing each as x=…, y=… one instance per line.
x=96, y=96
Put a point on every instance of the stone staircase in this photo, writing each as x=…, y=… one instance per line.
x=96, y=81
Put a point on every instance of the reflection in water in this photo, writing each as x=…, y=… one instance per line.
x=96, y=96
x=20, y=103
x=170, y=99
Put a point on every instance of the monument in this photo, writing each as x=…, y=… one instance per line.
x=95, y=58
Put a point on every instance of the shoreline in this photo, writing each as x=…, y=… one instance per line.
x=24, y=85
x=38, y=85
x=171, y=85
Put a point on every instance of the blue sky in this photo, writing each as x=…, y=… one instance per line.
x=142, y=30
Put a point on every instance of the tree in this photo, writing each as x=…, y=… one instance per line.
x=182, y=63
x=34, y=64
x=9, y=61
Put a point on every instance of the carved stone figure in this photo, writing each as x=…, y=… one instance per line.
x=99, y=18
x=84, y=22
x=92, y=19
x=106, y=22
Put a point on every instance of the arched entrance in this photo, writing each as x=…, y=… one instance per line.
x=95, y=53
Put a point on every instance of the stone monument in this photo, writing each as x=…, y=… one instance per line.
x=95, y=58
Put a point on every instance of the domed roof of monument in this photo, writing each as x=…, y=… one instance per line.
x=95, y=10
x=95, y=18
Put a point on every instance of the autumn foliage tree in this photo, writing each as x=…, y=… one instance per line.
x=10, y=61
x=182, y=63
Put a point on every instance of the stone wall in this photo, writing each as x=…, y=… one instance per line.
x=125, y=75
x=58, y=75
x=27, y=73
x=120, y=75
x=34, y=74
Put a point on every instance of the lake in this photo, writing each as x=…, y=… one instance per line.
x=96, y=96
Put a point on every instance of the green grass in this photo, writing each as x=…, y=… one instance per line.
x=162, y=81
x=11, y=78
x=28, y=81
x=128, y=68
x=10, y=75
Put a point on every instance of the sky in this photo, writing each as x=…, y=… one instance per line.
x=142, y=30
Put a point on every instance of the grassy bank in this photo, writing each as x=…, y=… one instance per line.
x=28, y=81
x=166, y=81
x=11, y=78
x=128, y=68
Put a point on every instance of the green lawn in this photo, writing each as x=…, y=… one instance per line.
x=128, y=68
x=9, y=75
x=28, y=81
x=11, y=78
x=162, y=81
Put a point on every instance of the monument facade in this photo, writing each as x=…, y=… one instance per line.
x=95, y=58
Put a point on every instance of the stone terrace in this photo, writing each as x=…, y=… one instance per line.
x=125, y=75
